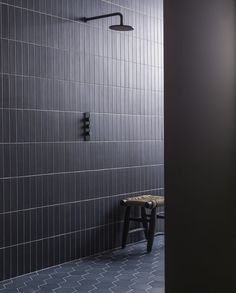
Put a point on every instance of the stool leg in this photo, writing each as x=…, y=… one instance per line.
x=151, y=231
x=126, y=227
x=144, y=221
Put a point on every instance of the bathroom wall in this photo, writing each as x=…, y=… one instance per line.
x=200, y=145
x=59, y=195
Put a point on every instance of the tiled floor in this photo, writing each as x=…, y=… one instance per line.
x=119, y=271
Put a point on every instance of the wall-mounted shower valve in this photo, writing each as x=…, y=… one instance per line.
x=86, y=126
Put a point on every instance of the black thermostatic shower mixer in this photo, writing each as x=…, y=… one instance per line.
x=86, y=126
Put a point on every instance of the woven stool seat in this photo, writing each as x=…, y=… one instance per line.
x=147, y=218
x=147, y=201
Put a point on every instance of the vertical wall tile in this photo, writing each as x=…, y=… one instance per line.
x=59, y=195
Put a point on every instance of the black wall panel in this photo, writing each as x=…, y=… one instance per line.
x=59, y=195
x=200, y=145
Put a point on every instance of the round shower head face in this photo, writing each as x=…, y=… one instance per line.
x=121, y=28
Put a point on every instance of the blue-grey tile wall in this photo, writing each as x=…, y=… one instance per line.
x=59, y=195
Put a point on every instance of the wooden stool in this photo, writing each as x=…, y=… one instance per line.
x=151, y=202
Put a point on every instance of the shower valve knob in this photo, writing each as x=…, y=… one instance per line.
x=87, y=116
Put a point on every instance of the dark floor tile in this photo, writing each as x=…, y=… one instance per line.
x=118, y=271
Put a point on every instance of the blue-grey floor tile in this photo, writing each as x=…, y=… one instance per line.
x=130, y=270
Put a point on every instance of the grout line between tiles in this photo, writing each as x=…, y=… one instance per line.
x=80, y=112
x=81, y=141
x=84, y=52
x=81, y=171
x=161, y=90
x=80, y=201
x=60, y=235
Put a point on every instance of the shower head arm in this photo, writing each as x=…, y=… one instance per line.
x=85, y=19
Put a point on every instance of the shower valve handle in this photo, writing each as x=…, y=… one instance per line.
x=86, y=126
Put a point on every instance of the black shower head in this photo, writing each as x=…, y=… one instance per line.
x=117, y=27
x=121, y=27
